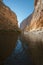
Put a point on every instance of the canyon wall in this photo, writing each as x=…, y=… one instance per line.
x=8, y=19
x=8, y=31
x=33, y=34
x=26, y=22
x=37, y=19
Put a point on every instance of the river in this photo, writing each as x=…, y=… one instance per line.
x=20, y=55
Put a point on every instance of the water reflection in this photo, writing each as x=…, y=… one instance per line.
x=19, y=56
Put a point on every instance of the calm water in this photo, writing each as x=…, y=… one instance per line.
x=20, y=55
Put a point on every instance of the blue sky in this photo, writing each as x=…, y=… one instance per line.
x=22, y=8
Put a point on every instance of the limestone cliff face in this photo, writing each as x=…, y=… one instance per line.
x=37, y=19
x=26, y=22
x=8, y=19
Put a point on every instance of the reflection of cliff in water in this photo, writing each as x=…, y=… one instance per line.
x=7, y=43
x=19, y=56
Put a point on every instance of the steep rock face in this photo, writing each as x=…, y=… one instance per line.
x=8, y=31
x=26, y=22
x=8, y=19
x=33, y=34
x=37, y=19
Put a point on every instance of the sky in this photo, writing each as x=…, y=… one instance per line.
x=22, y=8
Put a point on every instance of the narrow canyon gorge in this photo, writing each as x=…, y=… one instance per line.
x=24, y=45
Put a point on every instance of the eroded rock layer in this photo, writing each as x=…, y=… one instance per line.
x=37, y=19
x=8, y=19
x=26, y=22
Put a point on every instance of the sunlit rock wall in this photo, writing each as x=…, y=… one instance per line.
x=37, y=19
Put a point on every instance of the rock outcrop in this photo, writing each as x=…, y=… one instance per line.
x=8, y=19
x=37, y=19
x=26, y=22
x=8, y=31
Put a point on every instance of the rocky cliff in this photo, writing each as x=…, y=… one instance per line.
x=33, y=34
x=8, y=31
x=26, y=22
x=37, y=19
x=8, y=19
